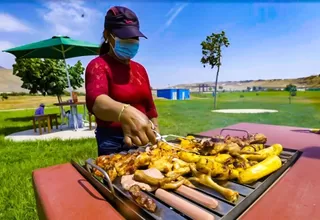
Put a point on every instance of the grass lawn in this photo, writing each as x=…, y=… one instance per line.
x=176, y=117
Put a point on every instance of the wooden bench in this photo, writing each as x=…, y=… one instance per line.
x=42, y=119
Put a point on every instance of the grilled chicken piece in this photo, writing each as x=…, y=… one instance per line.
x=242, y=142
x=127, y=182
x=164, y=182
x=126, y=165
x=258, y=139
x=189, y=157
x=142, y=160
x=142, y=199
x=163, y=164
x=215, y=169
x=205, y=179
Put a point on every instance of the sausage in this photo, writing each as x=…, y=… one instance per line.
x=197, y=196
x=183, y=206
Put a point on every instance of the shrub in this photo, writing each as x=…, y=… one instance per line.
x=4, y=97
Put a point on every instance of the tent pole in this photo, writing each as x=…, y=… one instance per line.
x=66, y=67
x=73, y=107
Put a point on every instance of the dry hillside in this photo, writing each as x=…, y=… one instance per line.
x=304, y=82
x=11, y=83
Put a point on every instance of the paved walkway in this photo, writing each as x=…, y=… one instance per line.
x=245, y=111
x=21, y=109
x=64, y=134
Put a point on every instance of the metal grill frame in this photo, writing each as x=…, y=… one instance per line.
x=121, y=197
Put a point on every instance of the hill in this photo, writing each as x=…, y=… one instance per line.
x=11, y=83
x=303, y=82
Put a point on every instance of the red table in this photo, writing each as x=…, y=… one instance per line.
x=63, y=194
x=296, y=196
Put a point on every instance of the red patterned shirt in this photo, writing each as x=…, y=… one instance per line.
x=128, y=84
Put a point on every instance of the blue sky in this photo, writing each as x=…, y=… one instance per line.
x=266, y=40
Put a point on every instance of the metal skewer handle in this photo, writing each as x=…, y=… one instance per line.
x=231, y=129
x=90, y=164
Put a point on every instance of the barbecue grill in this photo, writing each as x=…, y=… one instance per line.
x=122, y=201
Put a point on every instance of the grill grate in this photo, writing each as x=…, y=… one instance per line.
x=225, y=210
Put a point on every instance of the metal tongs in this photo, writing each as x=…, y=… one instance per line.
x=162, y=138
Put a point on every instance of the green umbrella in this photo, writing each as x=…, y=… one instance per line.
x=57, y=47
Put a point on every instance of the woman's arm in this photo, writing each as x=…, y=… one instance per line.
x=97, y=99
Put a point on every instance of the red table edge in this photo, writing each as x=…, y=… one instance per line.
x=39, y=205
x=42, y=211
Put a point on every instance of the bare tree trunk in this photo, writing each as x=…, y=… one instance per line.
x=215, y=88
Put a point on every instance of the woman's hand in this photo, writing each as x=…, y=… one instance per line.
x=136, y=127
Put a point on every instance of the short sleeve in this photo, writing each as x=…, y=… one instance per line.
x=96, y=81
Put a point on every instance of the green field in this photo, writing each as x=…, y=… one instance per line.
x=178, y=117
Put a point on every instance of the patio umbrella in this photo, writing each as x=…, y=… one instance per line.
x=57, y=47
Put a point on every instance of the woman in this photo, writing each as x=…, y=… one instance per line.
x=118, y=91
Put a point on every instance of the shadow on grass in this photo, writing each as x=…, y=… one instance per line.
x=312, y=152
x=20, y=119
x=10, y=130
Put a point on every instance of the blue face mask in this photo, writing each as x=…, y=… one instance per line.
x=125, y=49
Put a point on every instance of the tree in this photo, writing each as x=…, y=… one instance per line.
x=47, y=76
x=292, y=89
x=4, y=97
x=221, y=87
x=212, y=53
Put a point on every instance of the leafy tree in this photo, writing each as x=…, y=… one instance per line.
x=212, y=53
x=220, y=87
x=292, y=89
x=248, y=88
x=47, y=76
x=4, y=97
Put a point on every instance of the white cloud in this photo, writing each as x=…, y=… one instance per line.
x=11, y=24
x=69, y=17
x=172, y=15
x=6, y=59
x=174, y=12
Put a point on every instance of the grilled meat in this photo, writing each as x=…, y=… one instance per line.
x=205, y=179
x=258, y=139
x=229, y=158
x=127, y=182
x=142, y=199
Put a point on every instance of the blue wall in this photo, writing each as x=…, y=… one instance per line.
x=183, y=94
x=174, y=94
x=167, y=93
